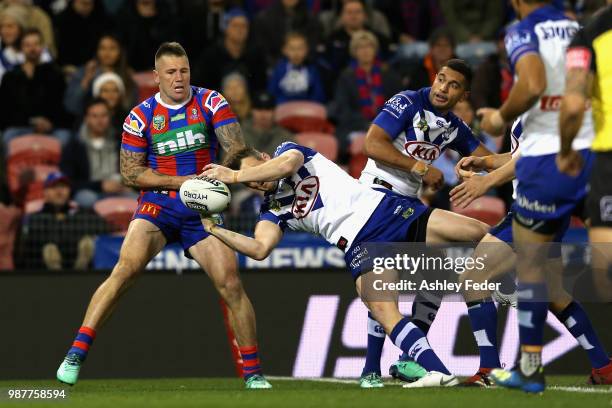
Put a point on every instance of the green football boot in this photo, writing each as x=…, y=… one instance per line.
x=371, y=380
x=257, y=382
x=408, y=371
x=68, y=371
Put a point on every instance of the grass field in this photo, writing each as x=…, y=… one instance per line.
x=223, y=392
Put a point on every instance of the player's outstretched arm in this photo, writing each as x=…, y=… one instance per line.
x=230, y=136
x=467, y=166
x=267, y=236
x=476, y=186
x=135, y=173
x=277, y=168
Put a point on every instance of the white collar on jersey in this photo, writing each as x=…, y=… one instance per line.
x=173, y=107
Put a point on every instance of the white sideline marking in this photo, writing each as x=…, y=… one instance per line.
x=355, y=381
x=605, y=390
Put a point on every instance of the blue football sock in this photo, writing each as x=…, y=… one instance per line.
x=424, y=310
x=578, y=323
x=408, y=337
x=532, y=311
x=483, y=318
x=376, y=341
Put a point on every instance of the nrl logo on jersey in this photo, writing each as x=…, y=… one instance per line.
x=423, y=151
x=159, y=122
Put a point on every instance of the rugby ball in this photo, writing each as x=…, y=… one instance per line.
x=206, y=196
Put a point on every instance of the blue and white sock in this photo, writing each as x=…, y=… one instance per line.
x=408, y=337
x=532, y=311
x=578, y=323
x=483, y=318
x=376, y=341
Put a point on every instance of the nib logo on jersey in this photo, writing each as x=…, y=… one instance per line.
x=185, y=139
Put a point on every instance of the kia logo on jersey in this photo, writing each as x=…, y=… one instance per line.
x=306, y=193
x=424, y=151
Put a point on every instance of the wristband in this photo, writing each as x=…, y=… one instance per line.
x=419, y=168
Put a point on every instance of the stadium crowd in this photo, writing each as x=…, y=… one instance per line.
x=71, y=70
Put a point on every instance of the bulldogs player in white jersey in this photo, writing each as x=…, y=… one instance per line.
x=411, y=131
x=546, y=198
x=500, y=259
x=307, y=192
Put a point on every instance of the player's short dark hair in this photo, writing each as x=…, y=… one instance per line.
x=170, y=48
x=235, y=157
x=95, y=101
x=463, y=68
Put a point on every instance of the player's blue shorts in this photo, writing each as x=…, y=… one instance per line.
x=396, y=219
x=177, y=222
x=545, y=197
x=503, y=229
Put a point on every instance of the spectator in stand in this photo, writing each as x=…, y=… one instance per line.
x=294, y=78
x=259, y=130
x=143, y=25
x=352, y=20
x=441, y=49
x=412, y=20
x=362, y=89
x=59, y=235
x=110, y=57
x=78, y=30
x=35, y=18
x=12, y=24
x=272, y=25
x=203, y=23
x=91, y=160
x=235, y=89
x=110, y=88
x=31, y=95
x=232, y=53
x=493, y=78
x=330, y=19
x=473, y=21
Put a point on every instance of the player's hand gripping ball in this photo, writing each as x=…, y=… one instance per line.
x=205, y=195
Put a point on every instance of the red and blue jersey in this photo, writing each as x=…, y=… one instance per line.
x=179, y=139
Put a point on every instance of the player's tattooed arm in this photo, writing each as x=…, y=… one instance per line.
x=578, y=83
x=136, y=174
x=230, y=136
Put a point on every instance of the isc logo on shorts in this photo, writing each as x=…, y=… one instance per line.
x=423, y=151
x=149, y=209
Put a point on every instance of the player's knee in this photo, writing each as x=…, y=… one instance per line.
x=230, y=288
x=126, y=270
x=477, y=230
